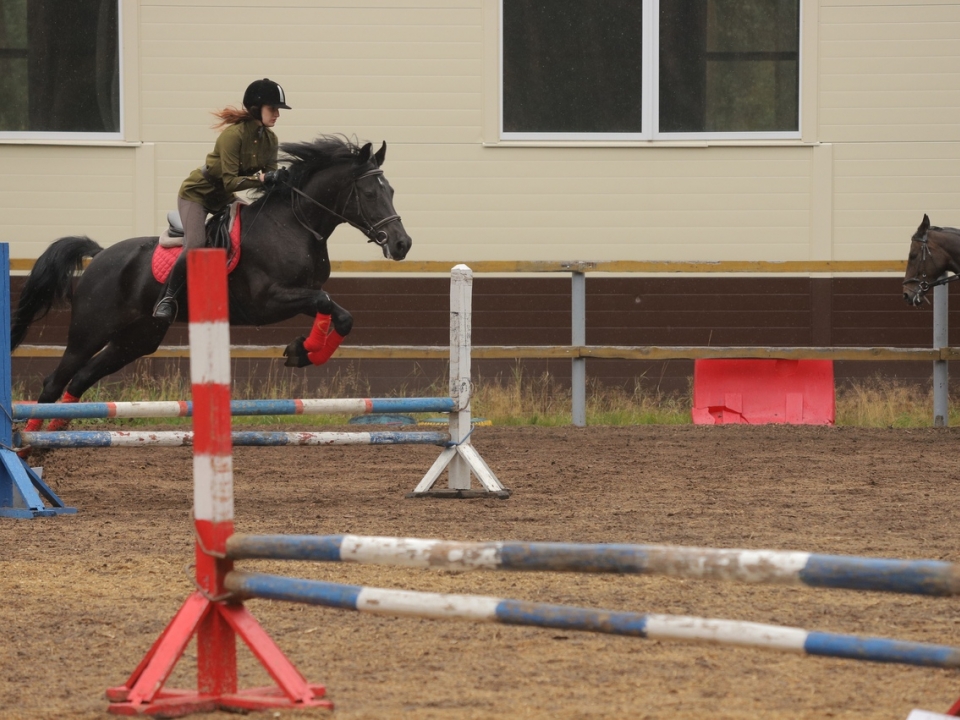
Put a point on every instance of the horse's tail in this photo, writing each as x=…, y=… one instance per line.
x=50, y=282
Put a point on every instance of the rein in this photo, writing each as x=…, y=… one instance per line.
x=373, y=231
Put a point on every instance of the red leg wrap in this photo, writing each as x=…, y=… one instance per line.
x=33, y=425
x=58, y=424
x=318, y=334
x=321, y=356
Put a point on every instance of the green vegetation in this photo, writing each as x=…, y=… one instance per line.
x=521, y=399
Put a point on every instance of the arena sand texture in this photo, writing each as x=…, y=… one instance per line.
x=84, y=597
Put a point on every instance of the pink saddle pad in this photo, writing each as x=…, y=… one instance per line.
x=164, y=258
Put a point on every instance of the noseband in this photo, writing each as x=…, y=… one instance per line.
x=373, y=231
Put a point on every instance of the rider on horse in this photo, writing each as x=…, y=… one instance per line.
x=244, y=157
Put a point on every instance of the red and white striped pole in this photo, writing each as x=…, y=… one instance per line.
x=209, y=315
x=209, y=613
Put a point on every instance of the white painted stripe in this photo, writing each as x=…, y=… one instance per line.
x=416, y=553
x=742, y=565
x=431, y=605
x=147, y=409
x=213, y=487
x=210, y=353
x=334, y=405
x=732, y=632
x=927, y=715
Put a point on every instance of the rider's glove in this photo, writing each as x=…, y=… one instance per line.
x=276, y=177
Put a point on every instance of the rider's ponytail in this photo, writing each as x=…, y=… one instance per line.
x=232, y=116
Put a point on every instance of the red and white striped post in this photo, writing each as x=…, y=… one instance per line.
x=209, y=612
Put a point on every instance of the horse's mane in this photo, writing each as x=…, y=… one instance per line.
x=307, y=158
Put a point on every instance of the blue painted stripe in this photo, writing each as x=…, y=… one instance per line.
x=413, y=405
x=313, y=592
x=920, y=577
x=566, y=617
x=325, y=548
x=573, y=557
x=881, y=650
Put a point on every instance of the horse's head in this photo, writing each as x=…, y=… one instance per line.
x=373, y=213
x=929, y=258
x=334, y=181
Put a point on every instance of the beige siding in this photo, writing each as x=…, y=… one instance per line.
x=408, y=74
x=889, y=72
x=47, y=192
x=883, y=190
x=882, y=79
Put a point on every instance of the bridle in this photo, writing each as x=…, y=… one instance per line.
x=924, y=285
x=373, y=230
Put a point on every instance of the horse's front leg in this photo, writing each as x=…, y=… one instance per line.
x=323, y=340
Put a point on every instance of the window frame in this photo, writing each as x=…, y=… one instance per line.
x=650, y=92
x=54, y=136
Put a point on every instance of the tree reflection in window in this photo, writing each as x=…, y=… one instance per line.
x=59, y=66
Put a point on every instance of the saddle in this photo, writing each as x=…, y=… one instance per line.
x=223, y=231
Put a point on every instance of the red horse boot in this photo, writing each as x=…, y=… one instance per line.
x=297, y=352
x=58, y=424
x=319, y=357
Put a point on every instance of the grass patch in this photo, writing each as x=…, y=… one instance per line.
x=513, y=400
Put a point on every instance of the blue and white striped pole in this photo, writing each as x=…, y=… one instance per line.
x=180, y=408
x=920, y=577
x=168, y=438
x=475, y=608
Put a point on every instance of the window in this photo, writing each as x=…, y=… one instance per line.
x=650, y=69
x=60, y=67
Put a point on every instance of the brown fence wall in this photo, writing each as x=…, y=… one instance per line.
x=660, y=310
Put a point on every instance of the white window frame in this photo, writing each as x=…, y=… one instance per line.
x=56, y=136
x=650, y=93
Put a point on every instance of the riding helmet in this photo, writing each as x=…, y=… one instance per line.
x=264, y=92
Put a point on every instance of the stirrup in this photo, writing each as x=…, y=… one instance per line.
x=166, y=308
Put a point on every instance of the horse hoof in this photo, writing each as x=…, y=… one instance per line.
x=296, y=355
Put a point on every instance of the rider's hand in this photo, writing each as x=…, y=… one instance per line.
x=275, y=177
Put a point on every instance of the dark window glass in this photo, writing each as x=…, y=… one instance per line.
x=572, y=66
x=59, y=66
x=729, y=65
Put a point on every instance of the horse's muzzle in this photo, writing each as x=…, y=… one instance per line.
x=397, y=248
x=915, y=299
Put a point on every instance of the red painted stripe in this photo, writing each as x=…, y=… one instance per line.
x=184, y=408
x=298, y=404
x=111, y=409
x=368, y=402
x=207, y=285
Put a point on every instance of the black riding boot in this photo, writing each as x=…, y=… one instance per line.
x=166, y=307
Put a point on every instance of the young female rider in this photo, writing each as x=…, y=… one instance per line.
x=244, y=157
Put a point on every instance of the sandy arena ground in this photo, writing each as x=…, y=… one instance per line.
x=83, y=597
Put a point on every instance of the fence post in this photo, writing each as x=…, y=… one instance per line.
x=22, y=492
x=578, y=324
x=941, y=412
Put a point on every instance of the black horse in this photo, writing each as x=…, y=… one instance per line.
x=281, y=272
x=933, y=252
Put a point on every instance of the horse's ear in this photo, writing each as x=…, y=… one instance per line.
x=925, y=225
x=381, y=154
x=365, y=153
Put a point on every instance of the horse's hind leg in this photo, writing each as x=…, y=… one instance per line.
x=117, y=354
x=74, y=358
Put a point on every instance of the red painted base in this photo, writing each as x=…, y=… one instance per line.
x=218, y=622
x=955, y=709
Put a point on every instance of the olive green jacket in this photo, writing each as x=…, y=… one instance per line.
x=241, y=151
